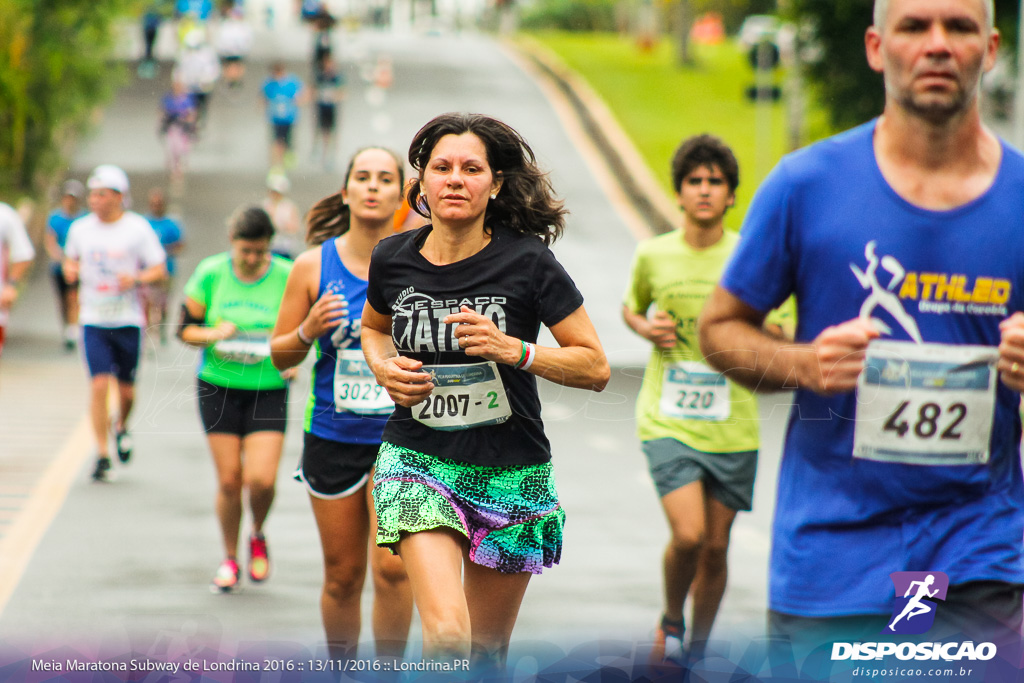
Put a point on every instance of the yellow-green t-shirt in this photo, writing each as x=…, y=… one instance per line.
x=681, y=398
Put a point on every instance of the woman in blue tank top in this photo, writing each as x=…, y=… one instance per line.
x=347, y=409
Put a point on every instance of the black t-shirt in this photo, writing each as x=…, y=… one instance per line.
x=516, y=281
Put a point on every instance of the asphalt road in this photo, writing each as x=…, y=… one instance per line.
x=124, y=567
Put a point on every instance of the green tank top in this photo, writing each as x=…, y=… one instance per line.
x=242, y=362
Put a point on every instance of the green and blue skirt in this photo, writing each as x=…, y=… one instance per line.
x=510, y=515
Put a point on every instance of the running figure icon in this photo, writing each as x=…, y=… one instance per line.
x=915, y=606
x=884, y=296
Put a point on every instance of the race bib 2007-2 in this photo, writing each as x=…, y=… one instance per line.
x=464, y=396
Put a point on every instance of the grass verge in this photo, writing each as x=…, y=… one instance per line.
x=659, y=103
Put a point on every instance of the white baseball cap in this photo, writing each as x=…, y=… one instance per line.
x=108, y=177
x=194, y=39
x=73, y=188
x=278, y=182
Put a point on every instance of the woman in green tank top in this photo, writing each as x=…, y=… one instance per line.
x=231, y=303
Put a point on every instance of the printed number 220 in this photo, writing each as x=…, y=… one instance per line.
x=698, y=400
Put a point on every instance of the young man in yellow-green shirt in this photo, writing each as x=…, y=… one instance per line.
x=698, y=430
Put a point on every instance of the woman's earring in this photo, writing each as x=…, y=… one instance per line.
x=494, y=196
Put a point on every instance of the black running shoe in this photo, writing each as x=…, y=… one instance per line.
x=102, y=470
x=123, y=442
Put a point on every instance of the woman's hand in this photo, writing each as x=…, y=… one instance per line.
x=223, y=330
x=326, y=314
x=404, y=380
x=477, y=335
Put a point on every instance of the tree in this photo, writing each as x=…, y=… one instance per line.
x=850, y=91
x=54, y=70
x=684, y=23
x=685, y=12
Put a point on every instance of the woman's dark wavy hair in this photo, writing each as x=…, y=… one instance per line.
x=330, y=216
x=250, y=223
x=526, y=202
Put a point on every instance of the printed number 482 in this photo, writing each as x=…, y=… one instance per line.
x=927, y=424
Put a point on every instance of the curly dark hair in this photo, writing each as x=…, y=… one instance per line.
x=704, y=150
x=526, y=203
x=250, y=223
x=329, y=217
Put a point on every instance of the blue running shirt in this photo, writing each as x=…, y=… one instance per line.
x=321, y=417
x=827, y=227
x=281, y=95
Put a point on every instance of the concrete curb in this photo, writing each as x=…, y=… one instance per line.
x=600, y=125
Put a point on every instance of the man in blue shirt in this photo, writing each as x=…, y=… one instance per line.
x=900, y=240
x=282, y=94
x=172, y=240
x=57, y=226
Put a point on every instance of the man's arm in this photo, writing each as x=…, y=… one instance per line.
x=660, y=329
x=18, y=271
x=734, y=342
x=70, y=268
x=1011, y=351
x=146, y=276
x=175, y=248
x=153, y=274
x=9, y=293
x=53, y=249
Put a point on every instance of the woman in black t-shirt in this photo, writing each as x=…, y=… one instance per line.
x=463, y=481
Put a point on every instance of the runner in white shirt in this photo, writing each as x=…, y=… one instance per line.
x=16, y=254
x=234, y=41
x=111, y=252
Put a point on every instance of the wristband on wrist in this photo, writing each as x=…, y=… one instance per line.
x=522, y=357
x=529, y=353
x=302, y=335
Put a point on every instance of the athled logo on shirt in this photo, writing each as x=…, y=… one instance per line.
x=933, y=292
x=918, y=596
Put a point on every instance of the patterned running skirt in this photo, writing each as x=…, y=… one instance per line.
x=510, y=515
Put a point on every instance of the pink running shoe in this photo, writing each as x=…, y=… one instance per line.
x=226, y=578
x=259, y=560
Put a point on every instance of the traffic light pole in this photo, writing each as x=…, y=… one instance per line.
x=763, y=83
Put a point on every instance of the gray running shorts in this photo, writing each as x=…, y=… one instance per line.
x=729, y=477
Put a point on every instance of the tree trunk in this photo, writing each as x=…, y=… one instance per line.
x=684, y=22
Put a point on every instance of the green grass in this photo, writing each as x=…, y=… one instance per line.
x=659, y=103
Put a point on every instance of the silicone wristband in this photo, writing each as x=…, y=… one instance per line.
x=530, y=355
x=522, y=357
x=302, y=336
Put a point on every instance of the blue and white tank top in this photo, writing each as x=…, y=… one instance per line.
x=356, y=387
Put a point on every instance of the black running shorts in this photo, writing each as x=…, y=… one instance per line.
x=332, y=469
x=241, y=411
